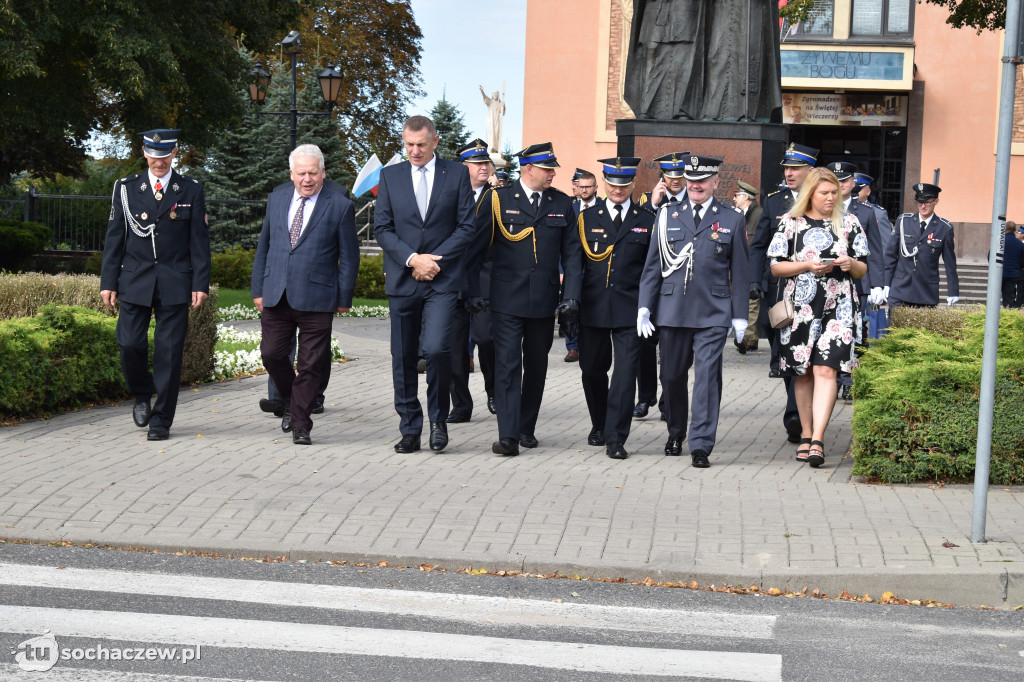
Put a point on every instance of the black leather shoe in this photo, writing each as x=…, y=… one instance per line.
x=527, y=440
x=275, y=406
x=740, y=346
x=793, y=431
x=438, y=437
x=318, y=408
x=491, y=407
x=641, y=410
x=458, y=418
x=596, y=437
x=700, y=459
x=774, y=374
x=286, y=419
x=616, y=451
x=141, y=412
x=158, y=433
x=408, y=444
x=674, y=446
x=509, y=447
x=300, y=436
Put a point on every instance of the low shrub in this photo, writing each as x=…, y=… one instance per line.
x=200, y=339
x=23, y=295
x=19, y=241
x=917, y=399
x=60, y=358
x=370, y=281
x=232, y=269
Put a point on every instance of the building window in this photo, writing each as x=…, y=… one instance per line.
x=817, y=25
x=881, y=17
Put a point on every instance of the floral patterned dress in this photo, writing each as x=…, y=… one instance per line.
x=825, y=325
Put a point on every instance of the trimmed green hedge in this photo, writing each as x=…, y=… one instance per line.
x=67, y=355
x=232, y=269
x=917, y=398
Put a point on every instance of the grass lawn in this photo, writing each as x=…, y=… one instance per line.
x=230, y=297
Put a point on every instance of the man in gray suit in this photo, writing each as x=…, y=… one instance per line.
x=304, y=272
x=694, y=284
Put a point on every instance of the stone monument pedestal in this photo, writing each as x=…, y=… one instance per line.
x=750, y=151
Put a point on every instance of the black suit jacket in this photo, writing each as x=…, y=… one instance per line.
x=447, y=231
x=181, y=262
x=611, y=286
x=875, y=276
x=775, y=206
x=524, y=278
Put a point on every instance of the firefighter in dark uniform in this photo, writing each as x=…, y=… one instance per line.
x=156, y=261
x=531, y=230
x=671, y=188
x=694, y=287
x=912, y=259
x=615, y=235
x=796, y=164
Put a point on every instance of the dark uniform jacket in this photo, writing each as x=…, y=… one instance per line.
x=612, y=264
x=181, y=239
x=916, y=280
x=775, y=206
x=868, y=220
x=525, y=250
x=718, y=290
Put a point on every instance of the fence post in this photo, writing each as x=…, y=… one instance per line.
x=30, y=206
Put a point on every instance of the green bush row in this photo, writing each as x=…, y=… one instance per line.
x=232, y=269
x=917, y=391
x=60, y=355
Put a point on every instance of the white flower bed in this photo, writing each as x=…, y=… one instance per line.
x=242, y=362
x=245, y=312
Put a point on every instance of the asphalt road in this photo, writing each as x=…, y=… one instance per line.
x=300, y=621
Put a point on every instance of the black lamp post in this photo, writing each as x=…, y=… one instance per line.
x=330, y=85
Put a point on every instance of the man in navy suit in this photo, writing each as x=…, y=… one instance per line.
x=694, y=285
x=156, y=261
x=912, y=257
x=615, y=235
x=303, y=273
x=424, y=223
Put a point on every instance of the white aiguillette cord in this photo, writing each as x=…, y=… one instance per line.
x=136, y=226
x=903, y=244
x=671, y=261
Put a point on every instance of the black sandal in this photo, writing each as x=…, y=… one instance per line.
x=801, y=452
x=816, y=459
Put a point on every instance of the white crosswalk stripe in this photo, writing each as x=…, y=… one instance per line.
x=263, y=635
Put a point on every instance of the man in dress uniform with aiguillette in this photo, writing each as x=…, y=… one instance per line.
x=532, y=229
x=156, y=261
x=912, y=258
x=615, y=234
x=694, y=287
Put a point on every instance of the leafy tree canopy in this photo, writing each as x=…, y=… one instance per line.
x=70, y=67
x=977, y=14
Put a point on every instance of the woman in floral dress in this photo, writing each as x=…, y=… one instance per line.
x=830, y=251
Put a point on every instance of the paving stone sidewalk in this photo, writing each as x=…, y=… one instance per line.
x=229, y=481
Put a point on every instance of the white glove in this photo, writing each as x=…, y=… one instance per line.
x=950, y=300
x=644, y=326
x=875, y=297
x=739, y=326
x=885, y=294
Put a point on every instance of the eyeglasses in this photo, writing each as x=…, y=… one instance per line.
x=586, y=186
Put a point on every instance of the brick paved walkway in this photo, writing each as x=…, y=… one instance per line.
x=229, y=481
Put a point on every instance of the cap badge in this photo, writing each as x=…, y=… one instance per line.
x=156, y=137
x=694, y=161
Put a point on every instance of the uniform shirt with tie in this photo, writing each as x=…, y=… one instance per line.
x=532, y=195
x=162, y=181
x=673, y=198
x=617, y=211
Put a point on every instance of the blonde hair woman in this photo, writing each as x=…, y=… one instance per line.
x=821, y=249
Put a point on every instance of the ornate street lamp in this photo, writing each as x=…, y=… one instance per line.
x=330, y=84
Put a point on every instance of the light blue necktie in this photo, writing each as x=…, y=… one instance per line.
x=421, y=193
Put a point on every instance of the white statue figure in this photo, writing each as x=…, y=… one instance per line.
x=495, y=111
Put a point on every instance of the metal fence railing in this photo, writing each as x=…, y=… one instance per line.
x=79, y=222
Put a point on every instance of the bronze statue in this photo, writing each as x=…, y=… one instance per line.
x=704, y=60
